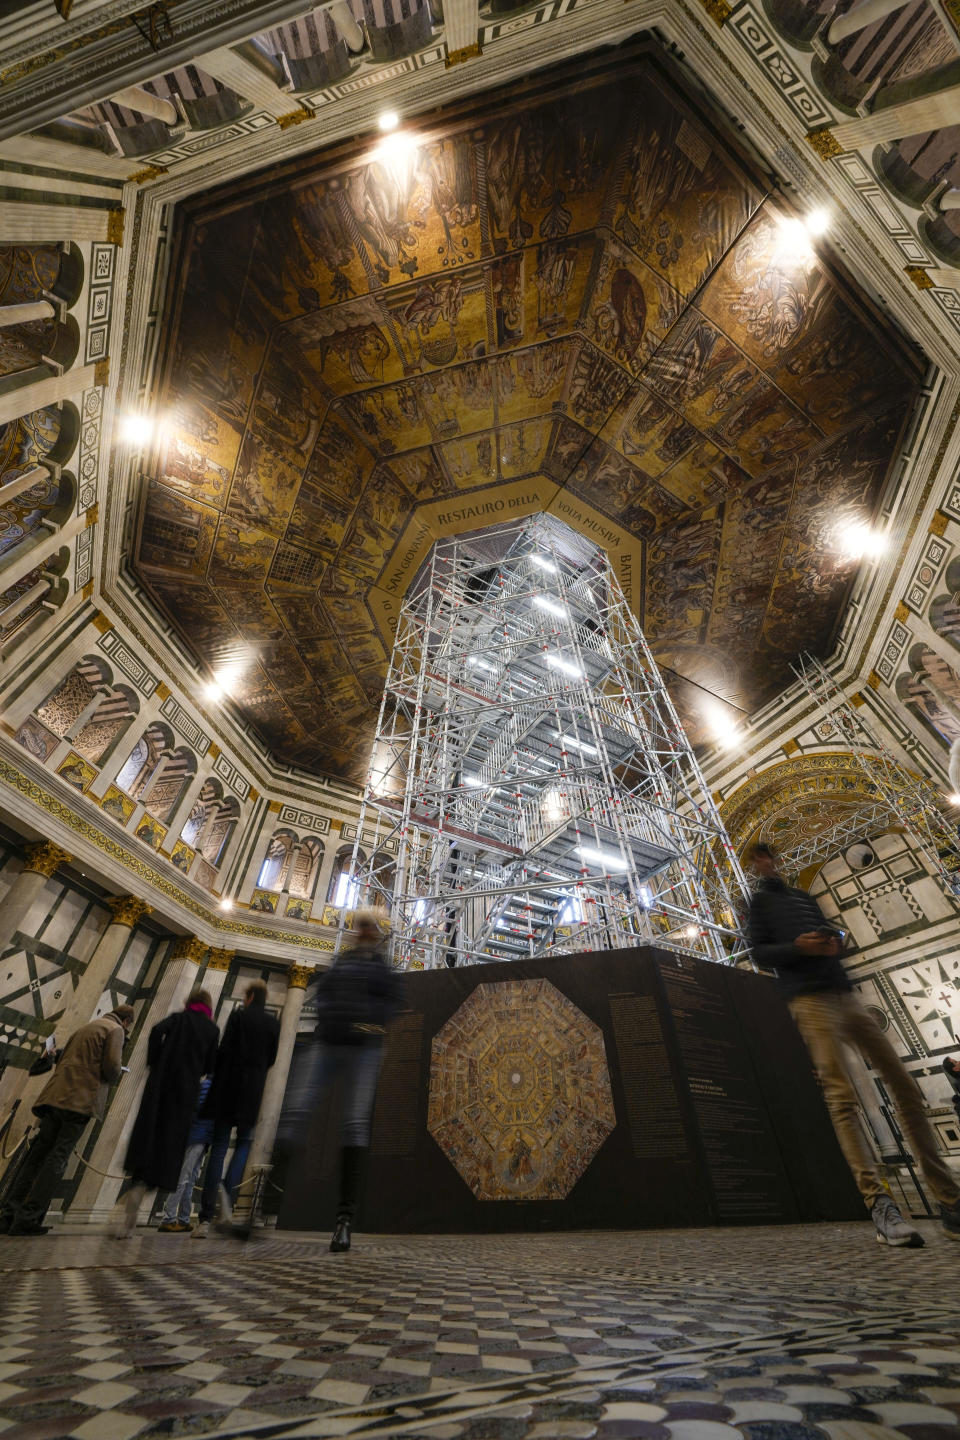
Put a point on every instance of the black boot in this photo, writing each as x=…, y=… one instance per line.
x=351, y=1169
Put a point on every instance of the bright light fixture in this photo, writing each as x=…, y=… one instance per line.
x=857, y=541
x=818, y=221
x=601, y=857
x=473, y=780
x=396, y=151
x=792, y=243
x=226, y=903
x=136, y=430
x=722, y=725
x=213, y=691
x=557, y=662
x=551, y=605
x=953, y=798
x=479, y=664
x=691, y=931
x=646, y=896
x=389, y=120
x=543, y=563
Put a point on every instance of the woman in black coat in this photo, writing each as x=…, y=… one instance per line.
x=180, y=1051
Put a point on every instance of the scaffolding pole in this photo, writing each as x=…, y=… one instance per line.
x=909, y=800
x=531, y=790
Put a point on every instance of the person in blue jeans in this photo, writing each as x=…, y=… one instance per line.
x=175, y=1219
x=247, y=1050
x=356, y=998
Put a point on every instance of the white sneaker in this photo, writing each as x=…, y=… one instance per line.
x=200, y=1231
x=892, y=1229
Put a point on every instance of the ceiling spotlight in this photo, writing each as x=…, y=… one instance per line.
x=953, y=798
x=691, y=931
x=792, y=242
x=136, y=430
x=226, y=903
x=722, y=725
x=213, y=691
x=389, y=120
x=818, y=221
x=858, y=541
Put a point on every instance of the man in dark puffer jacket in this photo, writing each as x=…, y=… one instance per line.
x=357, y=997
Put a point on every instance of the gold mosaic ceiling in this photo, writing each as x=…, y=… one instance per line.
x=576, y=298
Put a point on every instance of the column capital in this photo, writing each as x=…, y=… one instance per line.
x=220, y=959
x=128, y=909
x=299, y=976
x=187, y=947
x=44, y=858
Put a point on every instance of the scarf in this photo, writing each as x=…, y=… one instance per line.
x=204, y=1009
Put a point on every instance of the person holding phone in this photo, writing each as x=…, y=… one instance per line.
x=788, y=933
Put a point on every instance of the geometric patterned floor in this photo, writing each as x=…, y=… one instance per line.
x=799, y=1333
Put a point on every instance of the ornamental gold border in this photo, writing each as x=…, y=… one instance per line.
x=15, y=778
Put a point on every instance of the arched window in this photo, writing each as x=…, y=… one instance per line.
x=169, y=781
x=38, y=276
x=306, y=869
x=76, y=694
x=216, y=837
x=211, y=792
x=143, y=763
x=932, y=692
x=276, y=862
x=107, y=723
x=342, y=890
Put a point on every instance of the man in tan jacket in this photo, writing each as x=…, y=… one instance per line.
x=89, y=1064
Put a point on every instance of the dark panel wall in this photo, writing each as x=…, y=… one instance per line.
x=719, y=1118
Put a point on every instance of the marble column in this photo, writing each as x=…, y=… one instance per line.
x=41, y=862
x=298, y=978
x=97, y=1193
x=868, y=12
x=897, y=122
x=80, y=1008
x=25, y=311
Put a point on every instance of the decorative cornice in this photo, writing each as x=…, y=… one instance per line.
x=45, y=858
x=824, y=143
x=466, y=52
x=101, y=372
x=901, y=613
x=128, y=909
x=149, y=876
x=939, y=523
x=220, y=959
x=299, y=976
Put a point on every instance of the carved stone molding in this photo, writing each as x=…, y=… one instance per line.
x=718, y=10
x=187, y=947
x=299, y=976
x=824, y=143
x=44, y=859
x=466, y=52
x=221, y=959
x=918, y=276
x=128, y=909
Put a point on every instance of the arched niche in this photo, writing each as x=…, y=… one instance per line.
x=275, y=866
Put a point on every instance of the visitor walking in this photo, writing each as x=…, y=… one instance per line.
x=789, y=933
x=247, y=1050
x=356, y=997
x=90, y=1062
x=951, y=1068
x=181, y=1049
x=175, y=1219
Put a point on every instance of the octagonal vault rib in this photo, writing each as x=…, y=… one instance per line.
x=531, y=789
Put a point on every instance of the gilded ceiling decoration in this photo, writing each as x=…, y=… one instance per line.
x=577, y=298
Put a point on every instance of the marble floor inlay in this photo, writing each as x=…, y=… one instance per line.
x=800, y=1333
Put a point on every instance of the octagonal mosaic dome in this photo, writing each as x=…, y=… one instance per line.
x=520, y=1098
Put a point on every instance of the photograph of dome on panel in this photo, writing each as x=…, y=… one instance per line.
x=531, y=790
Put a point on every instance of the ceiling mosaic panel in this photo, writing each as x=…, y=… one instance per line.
x=579, y=296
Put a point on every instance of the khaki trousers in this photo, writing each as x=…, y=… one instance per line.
x=830, y=1019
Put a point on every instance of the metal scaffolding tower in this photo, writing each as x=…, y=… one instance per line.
x=531, y=790
x=901, y=797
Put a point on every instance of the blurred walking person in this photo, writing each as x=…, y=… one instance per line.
x=247, y=1050
x=91, y=1061
x=789, y=932
x=181, y=1049
x=357, y=997
x=175, y=1219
